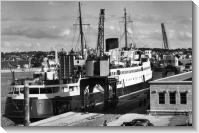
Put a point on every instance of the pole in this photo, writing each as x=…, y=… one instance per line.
x=106, y=94
x=26, y=107
x=13, y=77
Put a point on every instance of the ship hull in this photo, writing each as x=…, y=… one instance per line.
x=43, y=108
x=39, y=108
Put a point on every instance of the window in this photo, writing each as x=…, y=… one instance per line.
x=161, y=98
x=45, y=90
x=65, y=89
x=16, y=90
x=49, y=90
x=22, y=90
x=71, y=88
x=34, y=90
x=183, y=98
x=172, y=96
x=11, y=90
x=118, y=72
x=55, y=89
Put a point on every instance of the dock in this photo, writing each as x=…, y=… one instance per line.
x=128, y=103
x=65, y=119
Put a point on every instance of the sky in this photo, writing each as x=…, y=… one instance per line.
x=50, y=25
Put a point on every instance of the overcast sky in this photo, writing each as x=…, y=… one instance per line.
x=46, y=25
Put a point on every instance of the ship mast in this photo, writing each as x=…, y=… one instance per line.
x=125, y=28
x=81, y=32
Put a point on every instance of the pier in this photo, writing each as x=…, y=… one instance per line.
x=127, y=104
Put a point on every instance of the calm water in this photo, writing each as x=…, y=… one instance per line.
x=6, y=79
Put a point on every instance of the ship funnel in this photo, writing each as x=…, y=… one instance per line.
x=111, y=43
x=66, y=66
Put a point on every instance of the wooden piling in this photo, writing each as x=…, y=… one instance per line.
x=26, y=107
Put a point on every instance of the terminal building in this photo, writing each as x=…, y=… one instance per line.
x=171, y=95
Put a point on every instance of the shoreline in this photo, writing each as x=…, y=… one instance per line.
x=20, y=70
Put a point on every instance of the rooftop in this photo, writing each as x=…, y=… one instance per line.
x=179, y=78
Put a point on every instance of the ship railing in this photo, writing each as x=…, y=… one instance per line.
x=116, y=67
x=34, y=90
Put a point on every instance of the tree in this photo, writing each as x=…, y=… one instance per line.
x=38, y=59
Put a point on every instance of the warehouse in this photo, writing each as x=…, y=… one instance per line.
x=171, y=95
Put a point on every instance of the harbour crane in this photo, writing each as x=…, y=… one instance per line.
x=164, y=35
x=100, y=39
x=169, y=58
x=81, y=31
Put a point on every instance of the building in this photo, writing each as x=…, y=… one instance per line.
x=170, y=60
x=148, y=53
x=171, y=95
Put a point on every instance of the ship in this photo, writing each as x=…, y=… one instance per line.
x=57, y=87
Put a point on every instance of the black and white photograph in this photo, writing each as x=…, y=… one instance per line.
x=96, y=64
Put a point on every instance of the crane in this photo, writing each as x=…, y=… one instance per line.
x=164, y=35
x=81, y=31
x=100, y=39
x=125, y=29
